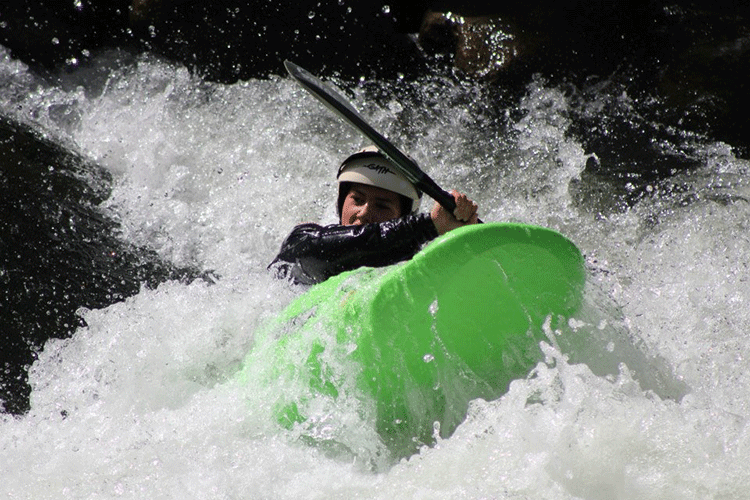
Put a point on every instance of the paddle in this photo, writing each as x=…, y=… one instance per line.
x=339, y=105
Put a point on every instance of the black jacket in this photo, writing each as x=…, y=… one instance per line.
x=312, y=253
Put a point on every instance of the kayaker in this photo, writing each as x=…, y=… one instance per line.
x=379, y=223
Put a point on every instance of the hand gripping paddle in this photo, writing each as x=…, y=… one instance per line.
x=339, y=105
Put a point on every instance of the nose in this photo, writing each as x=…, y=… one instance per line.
x=365, y=213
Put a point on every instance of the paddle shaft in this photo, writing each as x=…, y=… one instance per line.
x=341, y=106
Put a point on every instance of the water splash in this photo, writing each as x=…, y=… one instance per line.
x=141, y=401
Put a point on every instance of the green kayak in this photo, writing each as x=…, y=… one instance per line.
x=414, y=343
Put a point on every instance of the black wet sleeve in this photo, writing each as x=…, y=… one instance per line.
x=313, y=253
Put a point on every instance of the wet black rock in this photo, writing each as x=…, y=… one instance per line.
x=692, y=57
x=59, y=251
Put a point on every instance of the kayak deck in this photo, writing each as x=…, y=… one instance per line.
x=458, y=322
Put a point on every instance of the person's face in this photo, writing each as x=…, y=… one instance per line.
x=365, y=204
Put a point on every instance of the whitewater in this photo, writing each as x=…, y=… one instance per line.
x=143, y=402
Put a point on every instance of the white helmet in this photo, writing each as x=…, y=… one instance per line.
x=369, y=166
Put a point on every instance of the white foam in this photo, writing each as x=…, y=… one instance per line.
x=142, y=402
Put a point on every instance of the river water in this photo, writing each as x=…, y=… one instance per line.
x=143, y=402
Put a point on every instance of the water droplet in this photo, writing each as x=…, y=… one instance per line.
x=386, y=9
x=433, y=308
x=428, y=358
x=55, y=41
x=311, y=15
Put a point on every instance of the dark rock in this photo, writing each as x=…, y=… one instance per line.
x=703, y=74
x=630, y=157
x=556, y=39
x=482, y=47
x=692, y=57
x=58, y=251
